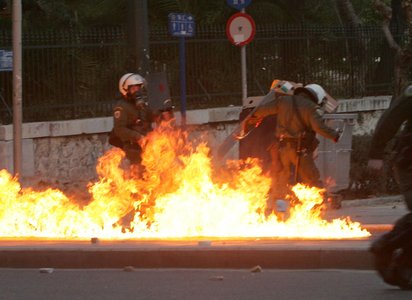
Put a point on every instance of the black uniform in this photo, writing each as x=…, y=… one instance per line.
x=393, y=251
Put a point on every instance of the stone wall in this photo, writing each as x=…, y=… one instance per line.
x=67, y=151
x=68, y=158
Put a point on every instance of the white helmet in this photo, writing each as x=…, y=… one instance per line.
x=408, y=91
x=318, y=92
x=315, y=91
x=128, y=80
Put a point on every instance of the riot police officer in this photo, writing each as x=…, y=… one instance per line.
x=393, y=250
x=299, y=118
x=132, y=118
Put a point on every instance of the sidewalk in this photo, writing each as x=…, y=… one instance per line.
x=382, y=210
x=221, y=253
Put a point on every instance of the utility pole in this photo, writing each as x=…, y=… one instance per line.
x=17, y=87
x=138, y=37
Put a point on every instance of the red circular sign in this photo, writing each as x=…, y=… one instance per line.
x=240, y=29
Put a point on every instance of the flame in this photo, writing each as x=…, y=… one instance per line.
x=176, y=193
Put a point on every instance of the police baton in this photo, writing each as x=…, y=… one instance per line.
x=299, y=153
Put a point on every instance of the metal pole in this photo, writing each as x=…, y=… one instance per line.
x=244, y=72
x=182, y=73
x=17, y=88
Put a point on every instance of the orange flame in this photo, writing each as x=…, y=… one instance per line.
x=176, y=193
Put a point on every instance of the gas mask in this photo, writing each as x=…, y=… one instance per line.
x=138, y=100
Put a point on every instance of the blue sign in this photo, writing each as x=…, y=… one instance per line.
x=6, y=60
x=238, y=4
x=181, y=24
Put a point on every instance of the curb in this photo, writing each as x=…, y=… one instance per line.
x=216, y=258
x=378, y=227
x=222, y=254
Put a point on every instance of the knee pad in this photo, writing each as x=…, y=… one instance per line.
x=408, y=199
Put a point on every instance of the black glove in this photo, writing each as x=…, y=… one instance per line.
x=337, y=137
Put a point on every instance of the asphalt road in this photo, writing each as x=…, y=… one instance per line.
x=194, y=284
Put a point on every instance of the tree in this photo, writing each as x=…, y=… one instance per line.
x=353, y=24
x=402, y=49
x=347, y=14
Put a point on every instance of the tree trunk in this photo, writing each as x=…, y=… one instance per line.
x=358, y=46
x=403, y=55
x=347, y=13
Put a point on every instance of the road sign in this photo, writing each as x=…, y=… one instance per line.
x=238, y=4
x=6, y=60
x=240, y=29
x=181, y=24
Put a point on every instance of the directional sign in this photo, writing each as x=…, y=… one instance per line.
x=240, y=29
x=6, y=60
x=238, y=4
x=181, y=24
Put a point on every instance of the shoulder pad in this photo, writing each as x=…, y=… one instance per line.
x=117, y=114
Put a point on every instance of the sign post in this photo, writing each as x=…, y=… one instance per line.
x=240, y=29
x=238, y=4
x=6, y=60
x=6, y=65
x=182, y=25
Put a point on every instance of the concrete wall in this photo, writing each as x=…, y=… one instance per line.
x=66, y=151
x=369, y=110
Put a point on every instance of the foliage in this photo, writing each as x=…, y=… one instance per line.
x=364, y=183
x=45, y=14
